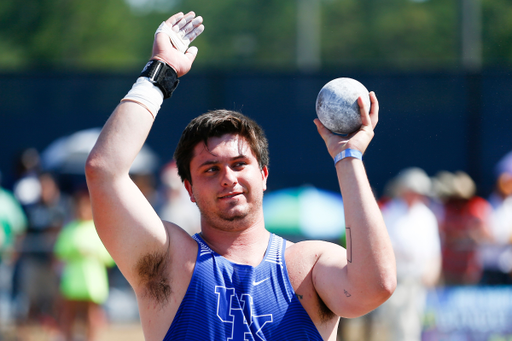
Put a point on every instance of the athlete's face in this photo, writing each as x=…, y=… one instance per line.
x=227, y=182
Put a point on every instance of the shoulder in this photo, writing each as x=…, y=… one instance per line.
x=302, y=257
x=394, y=209
x=421, y=210
x=7, y=197
x=480, y=207
x=301, y=260
x=68, y=230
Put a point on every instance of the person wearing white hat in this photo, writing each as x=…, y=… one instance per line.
x=414, y=234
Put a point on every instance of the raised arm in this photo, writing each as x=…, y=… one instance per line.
x=357, y=282
x=126, y=222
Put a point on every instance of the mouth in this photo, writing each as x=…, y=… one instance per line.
x=230, y=195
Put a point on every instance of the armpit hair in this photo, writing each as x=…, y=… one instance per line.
x=152, y=270
x=325, y=313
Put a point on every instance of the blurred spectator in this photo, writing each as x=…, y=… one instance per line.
x=13, y=223
x=27, y=188
x=463, y=225
x=413, y=230
x=503, y=186
x=497, y=255
x=176, y=206
x=84, y=280
x=35, y=279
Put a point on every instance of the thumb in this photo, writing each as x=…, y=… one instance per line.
x=322, y=130
x=191, y=53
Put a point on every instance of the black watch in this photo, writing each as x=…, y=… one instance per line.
x=162, y=75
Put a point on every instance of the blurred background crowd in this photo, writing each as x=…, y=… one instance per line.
x=440, y=161
x=56, y=274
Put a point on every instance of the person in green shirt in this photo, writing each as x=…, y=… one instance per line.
x=84, y=279
x=13, y=222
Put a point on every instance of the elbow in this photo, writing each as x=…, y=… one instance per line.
x=102, y=171
x=388, y=285
x=95, y=169
x=388, y=278
x=381, y=293
x=374, y=297
x=91, y=167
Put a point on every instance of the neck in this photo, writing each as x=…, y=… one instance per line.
x=246, y=246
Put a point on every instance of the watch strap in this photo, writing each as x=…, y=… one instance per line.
x=161, y=75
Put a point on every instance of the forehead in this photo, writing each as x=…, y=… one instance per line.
x=227, y=145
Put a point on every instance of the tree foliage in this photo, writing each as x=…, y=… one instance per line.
x=116, y=35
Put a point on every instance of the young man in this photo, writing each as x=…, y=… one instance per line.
x=234, y=280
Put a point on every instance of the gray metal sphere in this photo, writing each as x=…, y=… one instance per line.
x=337, y=107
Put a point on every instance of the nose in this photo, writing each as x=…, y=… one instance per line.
x=229, y=178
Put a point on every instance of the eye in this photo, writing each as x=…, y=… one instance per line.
x=239, y=164
x=211, y=169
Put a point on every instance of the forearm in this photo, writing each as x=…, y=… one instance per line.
x=128, y=127
x=371, y=263
x=125, y=220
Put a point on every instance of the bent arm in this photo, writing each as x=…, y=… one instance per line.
x=126, y=222
x=369, y=277
x=124, y=219
x=352, y=284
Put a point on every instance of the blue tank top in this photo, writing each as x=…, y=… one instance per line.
x=235, y=302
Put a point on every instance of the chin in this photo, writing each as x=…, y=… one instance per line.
x=234, y=217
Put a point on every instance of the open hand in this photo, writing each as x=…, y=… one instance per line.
x=188, y=27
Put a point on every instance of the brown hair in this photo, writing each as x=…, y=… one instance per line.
x=215, y=124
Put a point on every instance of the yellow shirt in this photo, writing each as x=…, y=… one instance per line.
x=84, y=277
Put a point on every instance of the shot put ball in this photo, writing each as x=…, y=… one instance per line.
x=337, y=107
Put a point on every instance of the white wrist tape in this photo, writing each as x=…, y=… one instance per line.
x=146, y=94
x=178, y=39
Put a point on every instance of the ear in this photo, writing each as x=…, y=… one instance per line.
x=264, y=177
x=188, y=187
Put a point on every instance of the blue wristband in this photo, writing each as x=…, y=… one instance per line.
x=348, y=153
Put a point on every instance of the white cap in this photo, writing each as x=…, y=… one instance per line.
x=413, y=179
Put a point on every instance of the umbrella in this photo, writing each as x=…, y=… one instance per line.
x=305, y=211
x=67, y=154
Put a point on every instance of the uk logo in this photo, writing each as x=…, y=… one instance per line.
x=238, y=311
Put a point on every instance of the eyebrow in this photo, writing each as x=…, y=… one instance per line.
x=215, y=161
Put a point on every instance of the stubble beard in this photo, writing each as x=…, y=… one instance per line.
x=229, y=221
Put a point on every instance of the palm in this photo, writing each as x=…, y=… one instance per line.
x=163, y=50
x=187, y=27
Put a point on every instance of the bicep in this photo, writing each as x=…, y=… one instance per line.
x=331, y=279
